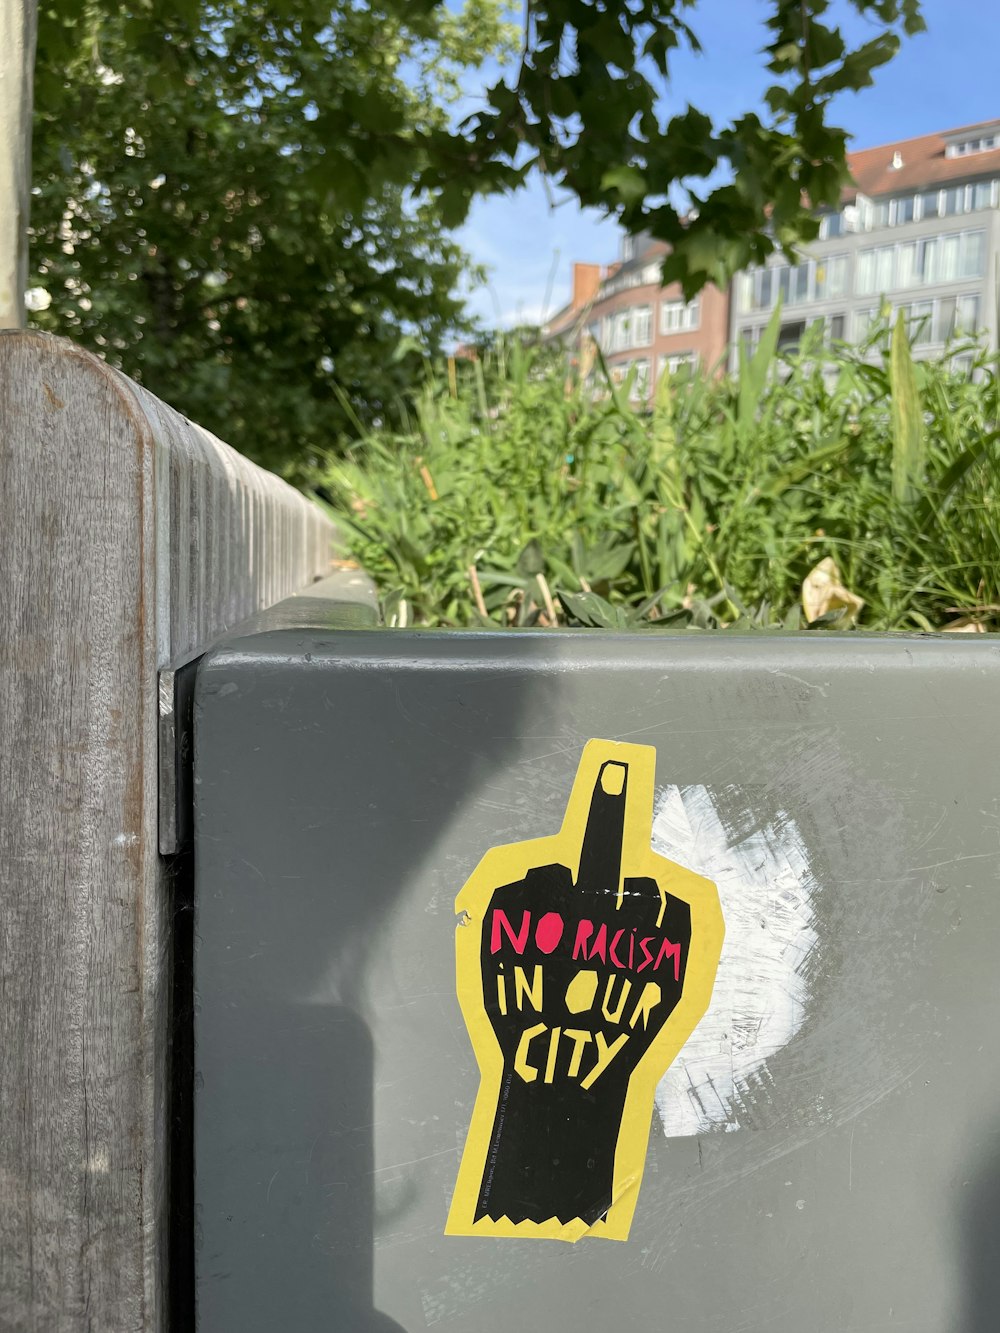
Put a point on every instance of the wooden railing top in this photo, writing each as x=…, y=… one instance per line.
x=128, y=537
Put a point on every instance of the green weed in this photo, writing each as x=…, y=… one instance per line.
x=517, y=497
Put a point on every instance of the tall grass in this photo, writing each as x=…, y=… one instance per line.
x=515, y=497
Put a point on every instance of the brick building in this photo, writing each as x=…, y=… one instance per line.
x=918, y=232
x=637, y=322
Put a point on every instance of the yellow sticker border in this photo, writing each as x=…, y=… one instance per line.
x=510, y=863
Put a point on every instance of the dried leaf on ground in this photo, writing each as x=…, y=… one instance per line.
x=823, y=593
x=966, y=625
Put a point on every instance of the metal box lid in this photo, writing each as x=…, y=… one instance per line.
x=820, y=1152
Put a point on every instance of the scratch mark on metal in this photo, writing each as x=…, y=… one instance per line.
x=800, y=680
x=953, y=860
x=850, y=1159
x=398, y=1166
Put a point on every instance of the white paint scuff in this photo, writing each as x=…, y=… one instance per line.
x=766, y=889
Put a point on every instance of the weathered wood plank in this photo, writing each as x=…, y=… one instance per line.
x=128, y=536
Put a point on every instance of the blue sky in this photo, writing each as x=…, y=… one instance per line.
x=945, y=77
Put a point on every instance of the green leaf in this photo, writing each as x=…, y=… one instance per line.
x=907, y=419
x=753, y=378
x=375, y=111
x=590, y=610
x=531, y=561
x=945, y=490
x=627, y=182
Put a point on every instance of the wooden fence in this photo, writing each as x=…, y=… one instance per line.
x=129, y=537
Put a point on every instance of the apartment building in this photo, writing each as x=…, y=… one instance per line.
x=637, y=322
x=918, y=232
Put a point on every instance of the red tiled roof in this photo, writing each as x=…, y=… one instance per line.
x=923, y=162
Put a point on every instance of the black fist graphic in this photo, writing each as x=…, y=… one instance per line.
x=585, y=963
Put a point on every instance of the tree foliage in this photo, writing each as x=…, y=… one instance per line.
x=225, y=202
x=246, y=203
x=583, y=108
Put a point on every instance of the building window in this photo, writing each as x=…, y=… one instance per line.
x=869, y=264
x=744, y=295
x=790, y=335
x=677, y=317
x=651, y=274
x=966, y=315
x=951, y=317
x=882, y=265
x=799, y=284
x=947, y=313
x=958, y=256
x=905, y=210
x=837, y=327
x=950, y=202
x=627, y=329
x=746, y=344
x=946, y=258
x=962, y=365
x=863, y=322
x=676, y=361
x=973, y=254
x=864, y=276
x=927, y=322
x=831, y=225
x=830, y=277
x=920, y=322
x=981, y=144
x=640, y=386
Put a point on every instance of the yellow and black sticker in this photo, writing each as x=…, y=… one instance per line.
x=584, y=963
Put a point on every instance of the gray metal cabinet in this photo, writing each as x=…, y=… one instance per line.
x=824, y=1152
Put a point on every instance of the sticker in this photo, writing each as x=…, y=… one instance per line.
x=584, y=962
